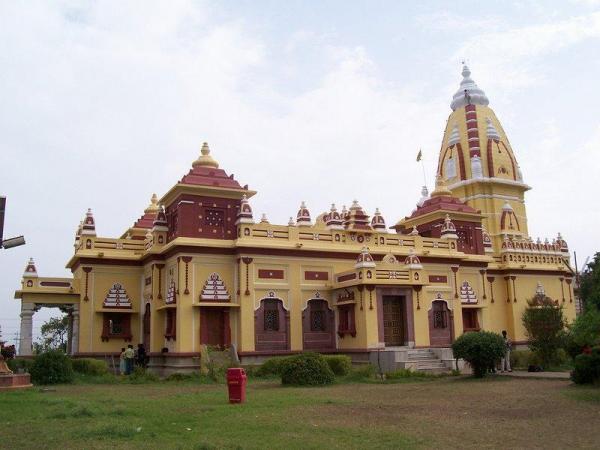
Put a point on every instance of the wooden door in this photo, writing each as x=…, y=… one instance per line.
x=440, y=324
x=212, y=326
x=393, y=321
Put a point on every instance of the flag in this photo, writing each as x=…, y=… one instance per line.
x=419, y=155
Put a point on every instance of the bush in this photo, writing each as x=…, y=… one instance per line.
x=141, y=376
x=587, y=368
x=584, y=332
x=340, y=365
x=306, y=369
x=361, y=373
x=20, y=363
x=271, y=367
x=481, y=349
x=52, y=367
x=90, y=366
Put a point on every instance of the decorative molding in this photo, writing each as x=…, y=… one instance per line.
x=87, y=271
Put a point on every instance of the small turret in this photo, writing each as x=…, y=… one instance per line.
x=245, y=212
x=356, y=219
x=364, y=259
x=412, y=260
x=291, y=222
x=378, y=222
x=424, y=196
x=448, y=230
x=160, y=222
x=264, y=219
x=30, y=270
x=333, y=219
x=89, y=225
x=303, y=216
x=414, y=231
x=562, y=243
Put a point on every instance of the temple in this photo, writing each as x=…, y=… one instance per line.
x=198, y=268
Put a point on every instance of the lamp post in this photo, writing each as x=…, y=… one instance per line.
x=11, y=242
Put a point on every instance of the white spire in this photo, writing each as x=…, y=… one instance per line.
x=491, y=131
x=468, y=92
x=424, y=196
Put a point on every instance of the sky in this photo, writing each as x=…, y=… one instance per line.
x=104, y=103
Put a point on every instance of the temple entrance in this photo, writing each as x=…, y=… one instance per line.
x=440, y=324
x=146, y=326
x=318, y=323
x=394, y=320
x=214, y=326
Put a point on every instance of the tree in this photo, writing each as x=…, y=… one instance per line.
x=54, y=335
x=544, y=324
x=589, y=284
x=584, y=332
x=481, y=349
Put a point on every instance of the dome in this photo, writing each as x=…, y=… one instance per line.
x=468, y=93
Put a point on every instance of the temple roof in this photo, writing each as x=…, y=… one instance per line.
x=205, y=172
x=468, y=93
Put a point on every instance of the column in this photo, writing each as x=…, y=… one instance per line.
x=75, y=332
x=26, y=335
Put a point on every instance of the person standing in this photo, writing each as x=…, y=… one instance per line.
x=505, y=361
x=141, y=356
x=122, y=362
x=129, y=357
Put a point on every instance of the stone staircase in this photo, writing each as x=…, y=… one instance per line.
x=427, y=360
x=424, y=360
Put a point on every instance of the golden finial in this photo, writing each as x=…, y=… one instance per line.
x=441, y=190
x=153, y=206
x=205, y=159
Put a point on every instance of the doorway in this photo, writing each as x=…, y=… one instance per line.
x=394, y=320
x=440, y=324
x=214, y=326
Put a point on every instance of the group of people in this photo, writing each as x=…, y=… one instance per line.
x=130, y=358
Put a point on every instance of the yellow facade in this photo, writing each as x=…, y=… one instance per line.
x=198, y=269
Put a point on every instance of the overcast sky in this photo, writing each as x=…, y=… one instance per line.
x=104, y=103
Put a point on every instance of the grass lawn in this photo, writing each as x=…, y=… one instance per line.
x=452, y=412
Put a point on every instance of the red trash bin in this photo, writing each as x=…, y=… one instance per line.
x=236, y=383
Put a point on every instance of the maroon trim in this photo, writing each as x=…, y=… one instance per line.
x=438, y=279
x=55, y=283
x=271, y=274
x=526, y=272
x=491, y=281
x=316, y=275
x=347, y=277
x=482, y=272
x=461, y=162
x=490, y=158
x=160, y=268
x=247, y=261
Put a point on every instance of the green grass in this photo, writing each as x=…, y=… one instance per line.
x=189, y=414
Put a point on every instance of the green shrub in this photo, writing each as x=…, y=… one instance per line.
x=340, y=365
x=584, y=332
x=90, y=366
x=52, y=367
x=545, y=325
x=141, y=376
x=361, y=373
x=306, y=369
x=481, y=349
x=20, y=363
x=587, y=368
x=271, y=367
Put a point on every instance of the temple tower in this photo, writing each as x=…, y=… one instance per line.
x=478, y=164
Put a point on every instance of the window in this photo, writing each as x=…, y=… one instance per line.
x=214, y=217
x=470, y=322
x=271, y=315
x=116, y=326
x=317, y=321
x=346, y=323
x=440, y=315
x=171, y=328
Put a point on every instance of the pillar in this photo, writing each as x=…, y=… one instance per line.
x=75, y=332
x=26, y=335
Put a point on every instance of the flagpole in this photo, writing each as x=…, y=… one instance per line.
x=424, y=175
